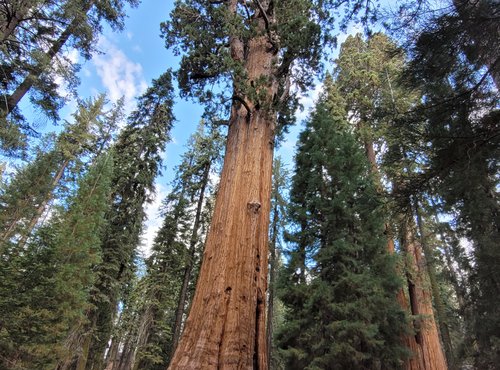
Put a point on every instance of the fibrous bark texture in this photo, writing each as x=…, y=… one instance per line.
x=226, y=326
x=427, y=348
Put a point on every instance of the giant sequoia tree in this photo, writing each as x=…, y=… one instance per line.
x=368, y=75
x=254, y=49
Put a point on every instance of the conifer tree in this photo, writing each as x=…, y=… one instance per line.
x=276, y=231
x=127, y=331
x=458, y=120
x=344, y=315
x=26, y=198
x=33, y=35
x=137, y=163
x=45, y=291
x=368, y=73
x=171, y=269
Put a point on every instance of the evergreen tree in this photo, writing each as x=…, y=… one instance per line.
x=276, y=231
x=26, y=198
x=368, y=73
x=474, y=198
x=456, y=124
x=33, y=35
x=127, y=330
x=45, y=291
x=171, y=269
x=341, y=310
x=137, y=163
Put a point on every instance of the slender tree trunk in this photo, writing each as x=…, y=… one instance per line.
x=21, y=90
x=226, y=326
x=436, y=295
x=12, y=18
x=190, y=263
x=427, y=336
x=372, y=159
x=272, y=278
x=42, y=207
x=112, y=356
x=38, y=212
x=143, y=334
x=127, y=357
x=455, y=281
x=81, y=363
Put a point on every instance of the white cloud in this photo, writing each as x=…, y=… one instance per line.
x=308, y=101
x=73, y=56
x=119, y=75
x=69, y=58
x=154, y=220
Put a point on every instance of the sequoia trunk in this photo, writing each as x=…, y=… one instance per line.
x=226, y=326
x=423, y=358
x=427, y=335
x=436, y=294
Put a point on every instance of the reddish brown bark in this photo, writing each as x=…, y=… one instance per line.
x=434, y=288
x=226, y=326
x=428, y=345
x=427, y=353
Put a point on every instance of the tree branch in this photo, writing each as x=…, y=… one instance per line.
x=244, y=103
x=271, y=36
x=264, y=14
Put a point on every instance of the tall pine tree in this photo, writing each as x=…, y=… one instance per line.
x=172, y=268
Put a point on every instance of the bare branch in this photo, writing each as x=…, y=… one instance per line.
x=244, y=103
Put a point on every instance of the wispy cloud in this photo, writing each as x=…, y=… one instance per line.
x=68, y=59
x=119, y=75
x=308, y=101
